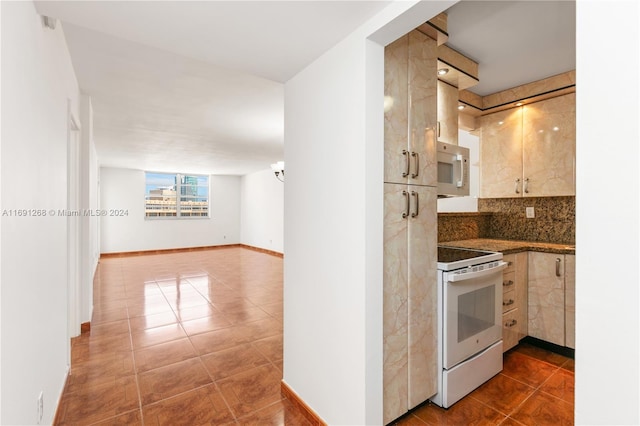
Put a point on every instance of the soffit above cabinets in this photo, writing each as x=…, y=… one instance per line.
x=462, y=72
x=521, y=95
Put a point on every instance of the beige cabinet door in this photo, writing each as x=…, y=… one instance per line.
x=549, y=147
x=396, y=111
x=546, y=293
x=423, y=295
x=410, y=298
x=501, y=154
x=447, y=130
x=570, y=300
x=411, y=110
x=395, y=359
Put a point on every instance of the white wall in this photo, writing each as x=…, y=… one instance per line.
x=37, y=81
x=89, y=193
x=333, y=221
x=262, y=207
x=125, y=189
x=470, y=203
x=607, y=213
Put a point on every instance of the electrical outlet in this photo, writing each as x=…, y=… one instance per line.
x=40, y=407
x=530, y=212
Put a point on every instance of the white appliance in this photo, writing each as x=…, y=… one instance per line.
x=453, y=170
x=469, y=321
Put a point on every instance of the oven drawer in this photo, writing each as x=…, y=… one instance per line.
x=508, y=300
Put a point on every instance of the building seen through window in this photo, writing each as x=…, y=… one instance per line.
x=176, y=195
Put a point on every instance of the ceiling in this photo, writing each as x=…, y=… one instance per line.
x=514, y=42
x=197, y=87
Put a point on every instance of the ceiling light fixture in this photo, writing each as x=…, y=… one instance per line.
x=443, y=71
x=278, y=168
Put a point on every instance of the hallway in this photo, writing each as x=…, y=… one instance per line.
x=182, y=338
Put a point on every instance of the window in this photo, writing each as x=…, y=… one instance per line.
x=176, y=195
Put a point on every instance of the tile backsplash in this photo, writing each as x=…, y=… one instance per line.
x=505, y=218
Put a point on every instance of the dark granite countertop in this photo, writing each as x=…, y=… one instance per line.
x=511, y=246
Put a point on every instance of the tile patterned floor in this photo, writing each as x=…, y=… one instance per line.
x=536, y=387
x=182, y=339
x=196, y=338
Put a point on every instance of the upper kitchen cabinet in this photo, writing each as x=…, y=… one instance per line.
x=501, y=154
x=410, y=110
x=447, y=113
x=529, y=151
x=549, y=147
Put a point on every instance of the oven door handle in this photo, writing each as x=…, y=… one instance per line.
x=477, y=274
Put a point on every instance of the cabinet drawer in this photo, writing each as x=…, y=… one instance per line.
x=508, y=281
x=511, y=263
x=510, y=329
x=508, y=300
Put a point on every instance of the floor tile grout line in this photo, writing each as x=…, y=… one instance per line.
x=535, y=389
x=218, y=389
x=135, y=369
x=114, y=417
x=554, y=396
x=546, y=362
x=524, y=383
x=485, y=404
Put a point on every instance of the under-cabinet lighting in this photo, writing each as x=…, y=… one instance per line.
x=443, y=71
x=519, y=104
x=461, y=107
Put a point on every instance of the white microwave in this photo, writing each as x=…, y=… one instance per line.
x=453, y=170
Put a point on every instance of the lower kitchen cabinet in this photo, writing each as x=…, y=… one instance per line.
x=570, y=300
x=410, y=298
x=551, y=298
x=514, y=300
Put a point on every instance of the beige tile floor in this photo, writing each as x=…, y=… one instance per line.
x=182, y=339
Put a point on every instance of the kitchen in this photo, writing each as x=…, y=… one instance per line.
x=522, y=207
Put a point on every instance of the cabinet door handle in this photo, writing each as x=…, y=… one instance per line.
x=526, y=185
x=508, y=283
x=438, y=126
x=508, y=302
x=518, y=186
x=558, y=261
x=416, y=212
x=406, y=210
x=510, y=323
x=417, y=164
x=407, y=163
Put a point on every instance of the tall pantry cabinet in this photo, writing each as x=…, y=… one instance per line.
x=410, y=225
